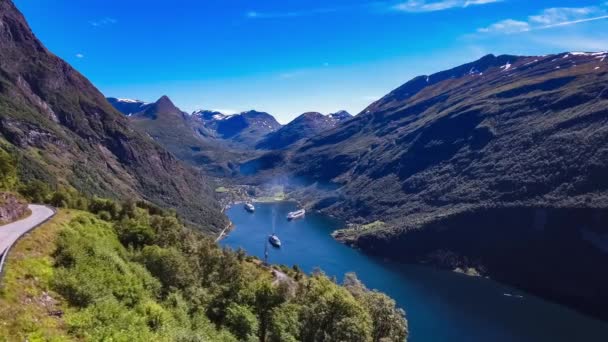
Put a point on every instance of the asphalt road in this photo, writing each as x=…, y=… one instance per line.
x=13, y=231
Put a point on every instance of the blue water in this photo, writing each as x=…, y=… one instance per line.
x=440, y=306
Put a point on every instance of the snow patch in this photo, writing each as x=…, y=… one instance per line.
x=129, y=101
x=506, y=66
x=534, y=61
x=588, y=53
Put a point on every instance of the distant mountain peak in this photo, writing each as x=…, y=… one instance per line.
x=340, y=115
x=163, y=106
x=165, y=101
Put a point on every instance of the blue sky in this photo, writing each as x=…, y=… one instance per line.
x=289, y=57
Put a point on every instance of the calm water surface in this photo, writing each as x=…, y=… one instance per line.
x=440, y=306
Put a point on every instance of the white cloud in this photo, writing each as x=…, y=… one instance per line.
x=103, y=22
x=271, y=15
x=548, y=18
x=377, y=6
x=551, y=16
x=79, y=55
x=432, y=6
x=506, y=26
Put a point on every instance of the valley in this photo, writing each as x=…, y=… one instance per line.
x=475, y=198
x=475, y=179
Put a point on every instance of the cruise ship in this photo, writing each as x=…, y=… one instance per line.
x=249, y=207
x=296, y=214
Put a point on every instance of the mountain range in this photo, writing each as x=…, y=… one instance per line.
x=305, y=126
x=65, y=132
x=217, y=142
x=498, y=165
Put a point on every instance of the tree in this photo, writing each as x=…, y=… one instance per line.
x=285, y=324
x=36, y=191
x=331, y=313
x=266, y=299
x=388, y=321
x=133, y=233
x=242, y=322
x=168, y=265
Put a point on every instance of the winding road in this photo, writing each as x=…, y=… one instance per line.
x=11, y=232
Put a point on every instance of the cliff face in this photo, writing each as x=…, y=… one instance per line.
x=66, y=132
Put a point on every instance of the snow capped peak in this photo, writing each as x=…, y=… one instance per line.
x=586, y=53
x=210, y=114
x=340, y=115
x=130, y=101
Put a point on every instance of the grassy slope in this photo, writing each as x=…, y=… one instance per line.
x=24, y=314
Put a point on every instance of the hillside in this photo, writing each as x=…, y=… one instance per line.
x=303, y=127
x=498, y=164
x=137, y=274
x=246, y=128
x=64, y=132
x=186, y=137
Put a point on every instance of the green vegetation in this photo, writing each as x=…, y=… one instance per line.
x=8, y=171
x=350, y=233
x=222, y=190
x=26, y=298
x=275, y=194
x=134, y=272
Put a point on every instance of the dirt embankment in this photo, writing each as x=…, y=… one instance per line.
x=12, y=208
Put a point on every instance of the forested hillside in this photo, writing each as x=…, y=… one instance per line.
x=62, y=131
x=133, y=272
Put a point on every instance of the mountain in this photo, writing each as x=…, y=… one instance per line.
x=246, y=128
x=303, y=127
x=64, y=132
x=163, y=108
x=127, y=106
x=340, y=116
x=186, y=136
x=499, y=164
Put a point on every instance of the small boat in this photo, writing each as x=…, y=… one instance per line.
x=296, y=214
x=249, y=207
x=274, y=240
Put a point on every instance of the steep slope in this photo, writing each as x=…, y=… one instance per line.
x=181, y=135
x=303, y=127
x=65, y=132
x=499, y=164
x=246, y=128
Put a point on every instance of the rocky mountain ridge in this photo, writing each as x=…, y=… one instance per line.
x=305, y=126
x=65, y=133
